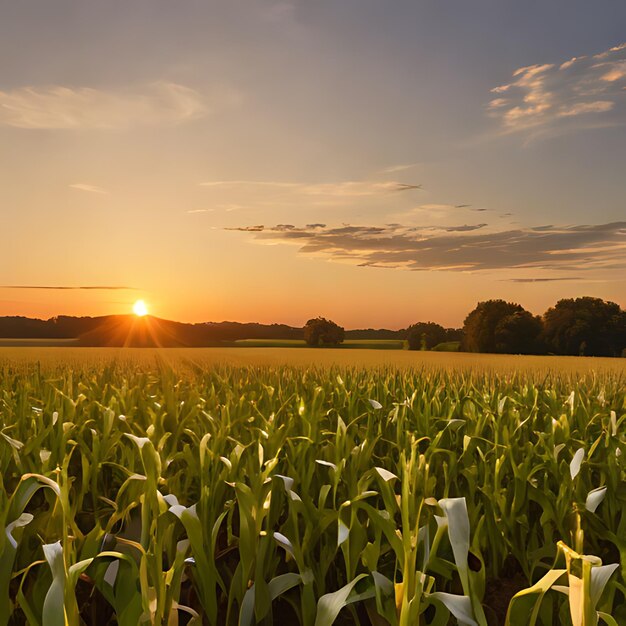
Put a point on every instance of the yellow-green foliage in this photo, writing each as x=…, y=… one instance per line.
x=160, y=488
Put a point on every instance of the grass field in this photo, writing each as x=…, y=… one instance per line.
x=300, y=486
x=538, y=366
x=372, y=344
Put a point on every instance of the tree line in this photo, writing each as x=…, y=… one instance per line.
x=575, y=326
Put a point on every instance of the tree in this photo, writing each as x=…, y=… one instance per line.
x=321, y=330
x=585, y=326
x=519, y=334
x=499, y=326
x=425, y=335
x=454, y=334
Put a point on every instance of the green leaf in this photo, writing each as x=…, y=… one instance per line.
x=385, y=600
x=7, y=561
x=599, y=578
x=459, y=606
x=385, y=474
x=343, y=532
x=284, y=543
x=611, y=621
x=459, y=534
x=594, y=498
x=283, y=583
x=53, y=605
x=276, y=587
x=574, y=466
x=125, y=595
x=330, y=604
x=524, y=606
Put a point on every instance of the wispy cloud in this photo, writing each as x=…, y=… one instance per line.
x=570, y=248
x=59, y=107
x=543, y=280
x=252, y=229
x=68, y=287
x=586, y=91
x=88, y=188
x=464, y=229
x=402, y=167
x=438, y=211
x=345, y=189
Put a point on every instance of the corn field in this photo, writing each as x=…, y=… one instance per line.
x=146, y=493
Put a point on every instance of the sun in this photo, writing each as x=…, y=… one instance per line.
x=140, y=309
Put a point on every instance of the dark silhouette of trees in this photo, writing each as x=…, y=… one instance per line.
x=454, y=334
x=581, y=326
x=499, y=326
x=585, y=326
x=322, y=331
x=519, y=333
x=425, y=335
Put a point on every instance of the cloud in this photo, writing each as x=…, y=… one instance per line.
x=570, y=248
x=438, y=212
x=345, y=189
x=463, y=229
x=249, y=229
x=402, y=167
x=58, y=107
x=64, y=287
x=599, y=106
x=586, y=91
x=89, y=188
x=543, y=280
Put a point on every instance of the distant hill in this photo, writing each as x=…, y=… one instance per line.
x=130, y=330
x=149, y=331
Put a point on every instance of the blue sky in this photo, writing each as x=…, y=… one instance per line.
x=140, y=142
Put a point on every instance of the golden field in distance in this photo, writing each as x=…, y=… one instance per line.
x=318, y=357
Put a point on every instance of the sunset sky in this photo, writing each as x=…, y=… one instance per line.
x=377, y=162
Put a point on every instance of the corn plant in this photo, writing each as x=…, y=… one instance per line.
x=156, y=487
